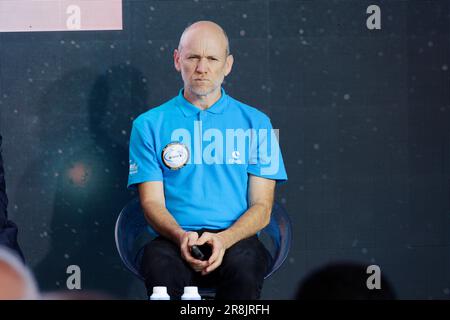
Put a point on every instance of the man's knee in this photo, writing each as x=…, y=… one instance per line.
x=162, y=265
x=241, y=276
x=247, y=265
x=160, y=257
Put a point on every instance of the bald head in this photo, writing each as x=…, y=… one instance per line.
x=204, y=29
x=204, y=61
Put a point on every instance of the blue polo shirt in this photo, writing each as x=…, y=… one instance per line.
x=225, y=143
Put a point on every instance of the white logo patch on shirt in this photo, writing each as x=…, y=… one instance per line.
x=175, y=155
x=235, y=155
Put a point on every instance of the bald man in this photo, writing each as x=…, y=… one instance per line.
x=8, y=230
x=205, y=166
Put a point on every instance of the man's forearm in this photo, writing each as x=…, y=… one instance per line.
x=250, y=223
x=162, y=221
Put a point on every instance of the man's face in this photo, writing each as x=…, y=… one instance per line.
x=203, y=61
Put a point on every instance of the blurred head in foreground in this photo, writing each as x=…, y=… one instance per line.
x=342, y=281
x=77, y=295
x=16, y=280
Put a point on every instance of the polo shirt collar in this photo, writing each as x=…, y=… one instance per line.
x=189, y=109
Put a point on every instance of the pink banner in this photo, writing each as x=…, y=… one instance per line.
x=60, y=15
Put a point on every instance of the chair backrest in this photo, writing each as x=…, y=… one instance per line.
x=130, y=226
x=132, y=232
x=279, y=231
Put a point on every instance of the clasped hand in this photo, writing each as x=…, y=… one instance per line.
x=191, y=238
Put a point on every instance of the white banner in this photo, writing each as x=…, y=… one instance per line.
x=60, y=15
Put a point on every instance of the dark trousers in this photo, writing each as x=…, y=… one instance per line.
x=239, y=277
x=8, y=230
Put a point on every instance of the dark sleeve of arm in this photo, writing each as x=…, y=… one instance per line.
x=3, y=198
x=8, y=230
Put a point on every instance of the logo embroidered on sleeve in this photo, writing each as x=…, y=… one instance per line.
x=133, y=167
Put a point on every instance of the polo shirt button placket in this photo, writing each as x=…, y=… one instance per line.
x=200, y=118
x=202, y=115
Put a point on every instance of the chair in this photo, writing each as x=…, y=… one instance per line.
x=132, y=232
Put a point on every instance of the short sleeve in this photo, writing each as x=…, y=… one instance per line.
x=143, y=161
x=266, y=160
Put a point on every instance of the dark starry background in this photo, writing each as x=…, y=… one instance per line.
x=363, y=117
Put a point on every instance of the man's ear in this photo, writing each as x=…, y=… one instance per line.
x=176, y=60
x=228, y=64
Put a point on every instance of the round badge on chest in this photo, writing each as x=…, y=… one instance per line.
x=175, y=155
